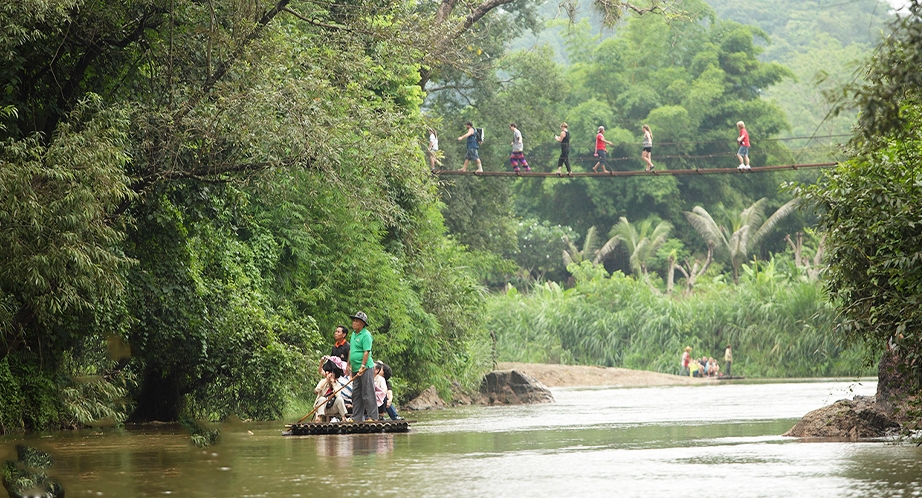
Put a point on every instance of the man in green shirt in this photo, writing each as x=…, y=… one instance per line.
x=364, y=405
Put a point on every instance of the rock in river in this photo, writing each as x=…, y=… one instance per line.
x=855, y=419
x=511, y=387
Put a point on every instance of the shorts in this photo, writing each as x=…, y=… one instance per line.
x=472, y=154
x=648, y=149
x=744, y=151
x=601, y=154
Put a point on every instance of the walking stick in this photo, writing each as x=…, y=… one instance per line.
x=328, y=397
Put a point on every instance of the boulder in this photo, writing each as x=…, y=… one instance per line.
x=460, y=396
x=855, y=419
x=427, y=400
x=512, y=387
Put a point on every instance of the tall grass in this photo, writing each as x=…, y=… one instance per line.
x=780, y=325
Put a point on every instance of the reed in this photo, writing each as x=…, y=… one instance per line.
x=780, y=324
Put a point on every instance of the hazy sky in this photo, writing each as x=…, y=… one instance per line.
x=897, y=4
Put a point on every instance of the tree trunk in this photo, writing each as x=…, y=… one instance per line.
x=670, y=274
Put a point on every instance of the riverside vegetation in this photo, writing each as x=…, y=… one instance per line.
x=192, y=196
x=779, y=322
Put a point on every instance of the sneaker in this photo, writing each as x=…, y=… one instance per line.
x=515, y=169
x=527, y=169
x=741, y=167
x=334, y=420
x=748, y=168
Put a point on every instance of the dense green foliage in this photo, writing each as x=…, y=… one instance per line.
x=778, y=321
x=690, y=79
x=869, y=208
x=824, y=44
x=193, y=196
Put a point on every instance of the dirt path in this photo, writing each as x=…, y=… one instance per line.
x=576, y=375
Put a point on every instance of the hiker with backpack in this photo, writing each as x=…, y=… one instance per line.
x=473, y=146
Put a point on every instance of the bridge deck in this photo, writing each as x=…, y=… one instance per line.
x=673, y=172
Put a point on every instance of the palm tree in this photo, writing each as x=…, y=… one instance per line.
x=639, y=241
x=747, y=231
x=574, y=255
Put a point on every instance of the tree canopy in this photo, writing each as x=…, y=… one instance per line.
x=216, y=186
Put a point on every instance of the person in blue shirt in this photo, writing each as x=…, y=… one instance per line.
x=473, y=152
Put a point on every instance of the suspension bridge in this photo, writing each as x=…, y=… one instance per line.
x=545, y=153
x=655, y=172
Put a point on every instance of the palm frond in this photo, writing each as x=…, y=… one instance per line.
x=774, y=219
x=702, y=222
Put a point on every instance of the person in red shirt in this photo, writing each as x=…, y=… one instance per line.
x=743, y=140
x=600, y=151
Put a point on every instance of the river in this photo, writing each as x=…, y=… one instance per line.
x=720, y=440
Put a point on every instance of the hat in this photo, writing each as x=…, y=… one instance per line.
x=361, y=316
x=601, y=128
x=334, y=364
x=687, y=348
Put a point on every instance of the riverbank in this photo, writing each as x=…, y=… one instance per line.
x=591, y=376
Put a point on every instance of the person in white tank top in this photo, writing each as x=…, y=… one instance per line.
x=433, y=149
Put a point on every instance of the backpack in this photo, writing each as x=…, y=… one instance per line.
x=479, y=135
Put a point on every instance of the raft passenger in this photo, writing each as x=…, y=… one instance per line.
x=363, y=383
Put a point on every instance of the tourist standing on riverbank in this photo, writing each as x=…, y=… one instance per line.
x=686, y=359
x=728, y=358
x=362, y=364
x=473, y=147
x=564, y=139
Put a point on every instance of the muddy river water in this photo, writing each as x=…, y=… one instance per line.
x=719, y=440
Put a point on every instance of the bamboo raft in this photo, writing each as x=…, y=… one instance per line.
x=317, y=428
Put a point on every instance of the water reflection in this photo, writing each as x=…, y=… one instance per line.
x=357, y=444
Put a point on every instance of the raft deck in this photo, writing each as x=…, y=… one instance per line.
x=316, y=428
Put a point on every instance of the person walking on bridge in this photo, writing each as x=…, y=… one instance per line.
x=517, y=158
x=647, y=147
x=600, y=151
x=564, y=139
x=473, y=146
x=743, y=153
